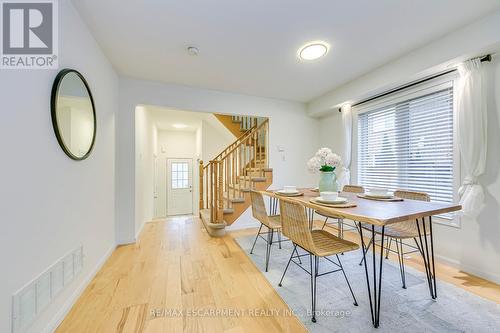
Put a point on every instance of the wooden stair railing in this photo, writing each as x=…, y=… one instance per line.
x=234, y=170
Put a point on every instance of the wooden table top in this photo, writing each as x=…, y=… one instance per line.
x=372, y=211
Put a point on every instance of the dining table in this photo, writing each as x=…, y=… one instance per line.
x=375, y=215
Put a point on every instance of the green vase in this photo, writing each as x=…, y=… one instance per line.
x=328, y=181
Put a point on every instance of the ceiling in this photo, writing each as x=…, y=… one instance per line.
x=165, y=119
x=250, y=47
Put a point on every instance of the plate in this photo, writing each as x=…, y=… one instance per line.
x=339, y=200
x=379, y=195
x=289, y=194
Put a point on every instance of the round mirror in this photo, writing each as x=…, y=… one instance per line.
x=73, y=114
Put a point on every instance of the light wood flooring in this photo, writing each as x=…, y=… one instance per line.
x=175, y=266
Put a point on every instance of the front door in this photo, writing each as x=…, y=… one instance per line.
x=179, y=186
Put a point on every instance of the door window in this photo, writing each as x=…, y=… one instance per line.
x=180, y=177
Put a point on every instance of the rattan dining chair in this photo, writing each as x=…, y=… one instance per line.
x=272, y=223
x=317, y=243
x=398, y=232
x=340, y=220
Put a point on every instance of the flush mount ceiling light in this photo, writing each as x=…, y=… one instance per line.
x=179, y=125
x=313, y=50
x=192, y=50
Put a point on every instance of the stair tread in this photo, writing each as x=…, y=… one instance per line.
x=254, y=179
x=228, y=210
x=259, y=169
x=232, y=199
x=237, y=188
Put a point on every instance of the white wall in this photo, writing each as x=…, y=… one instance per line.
x=51, y=204
x=213, y=140
x=475, y=247
x=331, y=132
x=290, y=127
x=145, y=147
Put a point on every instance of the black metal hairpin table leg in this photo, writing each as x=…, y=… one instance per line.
x=375, y=294
x=273, y=205
x=427, y=253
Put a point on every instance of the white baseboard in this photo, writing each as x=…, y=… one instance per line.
x=469, y=269
x=126, y=241
x=138, y=232
x=61, y=314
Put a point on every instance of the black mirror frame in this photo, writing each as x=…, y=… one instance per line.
x=53, y=111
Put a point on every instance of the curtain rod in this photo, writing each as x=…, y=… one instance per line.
x=414, y=83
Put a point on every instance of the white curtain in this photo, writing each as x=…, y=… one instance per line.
x=471, y=134
x=345, y=177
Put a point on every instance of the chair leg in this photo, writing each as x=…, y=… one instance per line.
x=347, y=280
x=278, y=231
x=256, y=237
x=269, y=245
x=298, y=256
x=288, y=264
x=314, y=274
x=401, y=261
x=324, y=224
x=366, y=250
x=388, y=248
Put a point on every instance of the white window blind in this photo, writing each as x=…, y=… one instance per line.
x=409, y=145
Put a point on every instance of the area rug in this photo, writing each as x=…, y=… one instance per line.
x=402, y=310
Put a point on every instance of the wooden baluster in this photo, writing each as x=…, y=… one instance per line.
x=220, y=210
x=266, y=126
x=254, y=145
x=226, y=178
x=207, y=190
x=239, y=159
x=248, y=162
x=234, y=171
x=259, y=147
x=244, y=158
x=212, y=199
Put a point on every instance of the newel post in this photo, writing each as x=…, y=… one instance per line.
x=220, y=194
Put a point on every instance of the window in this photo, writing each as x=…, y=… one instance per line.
x=180, y=176
x=409, y=144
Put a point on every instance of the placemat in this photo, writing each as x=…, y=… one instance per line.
x=289, y=195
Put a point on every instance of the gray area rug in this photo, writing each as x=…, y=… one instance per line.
x=402, y=310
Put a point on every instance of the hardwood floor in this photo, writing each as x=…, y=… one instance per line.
x=177, y=267
x=471, y=283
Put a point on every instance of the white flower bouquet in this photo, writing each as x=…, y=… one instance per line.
x=324, y=160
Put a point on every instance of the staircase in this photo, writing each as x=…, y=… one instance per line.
x=226, y=181
x=237, y=125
